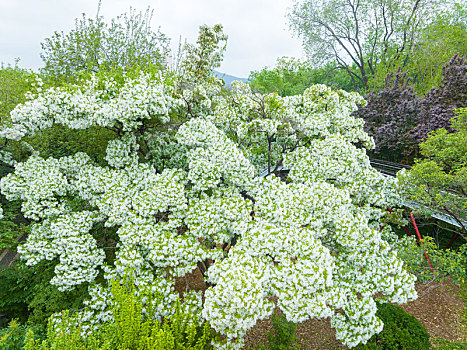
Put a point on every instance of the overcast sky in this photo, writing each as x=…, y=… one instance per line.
x=257, y=29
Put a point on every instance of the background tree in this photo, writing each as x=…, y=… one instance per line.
x=199, y=60
x=437, y=42
x=15, y=82
x=389, y=115
x=16, y=85
x=439, y=182
x=93, y=45
x=437, y=107
x=291, y=76
x=361, y=33
x=399, y=120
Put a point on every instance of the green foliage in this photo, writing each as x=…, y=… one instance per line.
x=94, y=46
x=11, y=224
x=14, y=294
x=451, y=263
x=448, y=150
x=60, y=141
x=446, y=262
x=401, y=331
x=463, y=293
x=199, y=60
x=439, y=182
x=291, y=76
x=439, y=41
x=132, y=328
x=450, y=345
x=13, y=337
x=14, y=83
x=436, y=43
x=283, y=335
x=26, y=293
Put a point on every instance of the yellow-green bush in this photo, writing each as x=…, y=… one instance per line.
x=131, y=330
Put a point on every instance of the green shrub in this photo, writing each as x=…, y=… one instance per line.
x=13, y=337
x=446, y=262
x=401, y=331
x=131, y=330
x=283, y=335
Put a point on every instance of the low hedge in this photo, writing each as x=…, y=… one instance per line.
x=401, y=331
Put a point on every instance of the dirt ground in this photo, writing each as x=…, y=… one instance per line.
x=438, y=307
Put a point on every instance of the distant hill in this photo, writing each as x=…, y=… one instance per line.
x=228, y=78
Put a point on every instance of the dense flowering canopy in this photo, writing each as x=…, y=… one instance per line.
x=180, y=191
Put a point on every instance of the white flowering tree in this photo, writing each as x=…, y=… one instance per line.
x=179, y=190
x=94, y=45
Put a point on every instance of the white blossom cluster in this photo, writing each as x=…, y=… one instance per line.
x=219, y=217
x=282, y=122
x=96, y=102
x=68, y=238
x=164, y=152
x=122, y=152
x=324, y=112
x=7, y=158
x=288, y=263
x=338, y=161
x=37, y=182
x=189, y=196
x=213, y=156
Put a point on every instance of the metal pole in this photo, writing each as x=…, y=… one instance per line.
x=420, y=239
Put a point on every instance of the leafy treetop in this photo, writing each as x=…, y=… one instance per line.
x=94, y=45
